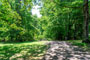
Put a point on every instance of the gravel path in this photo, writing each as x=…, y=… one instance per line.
x=65, y=51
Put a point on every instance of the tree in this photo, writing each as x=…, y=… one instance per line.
x=63, y=18
x=86, y=22
x=16, y=22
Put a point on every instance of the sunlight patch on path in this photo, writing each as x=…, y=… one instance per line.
x=65, y=51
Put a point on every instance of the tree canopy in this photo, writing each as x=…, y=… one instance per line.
x=61, y=20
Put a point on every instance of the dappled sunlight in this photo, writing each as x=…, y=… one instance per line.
x=65, y=51
x=23, y=51
x=44, y=30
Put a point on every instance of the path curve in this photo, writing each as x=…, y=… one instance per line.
x=61, y=50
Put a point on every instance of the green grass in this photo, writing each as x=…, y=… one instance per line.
x=31, y=50
x=24, y=50
x=23, y=43
x=80, y=44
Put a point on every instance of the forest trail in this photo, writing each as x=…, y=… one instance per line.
x=65, y=51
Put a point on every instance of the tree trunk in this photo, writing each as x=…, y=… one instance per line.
x=86, y=22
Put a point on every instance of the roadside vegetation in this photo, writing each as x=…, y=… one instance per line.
x=29, y=50
x=79, y=43
x=23, y=35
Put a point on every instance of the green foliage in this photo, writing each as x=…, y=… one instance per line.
x=63, y=20
x=79, y=43
x=16, y=22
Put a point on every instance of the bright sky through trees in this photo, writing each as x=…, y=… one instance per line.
x=36, y=11
x=36, y=8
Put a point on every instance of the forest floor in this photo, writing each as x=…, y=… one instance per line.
x=22, y=51
x=62, y=50
x=45, y=50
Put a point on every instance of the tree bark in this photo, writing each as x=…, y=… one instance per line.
x=86, y=22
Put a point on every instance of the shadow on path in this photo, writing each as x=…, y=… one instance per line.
x=61, y=50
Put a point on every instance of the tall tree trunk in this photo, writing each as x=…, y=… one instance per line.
x=86, y=22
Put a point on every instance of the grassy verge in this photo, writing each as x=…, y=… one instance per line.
x=80, y=44
x=14, y=51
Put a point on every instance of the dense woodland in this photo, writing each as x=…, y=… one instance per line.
x=61, y=20
x=62, y=28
